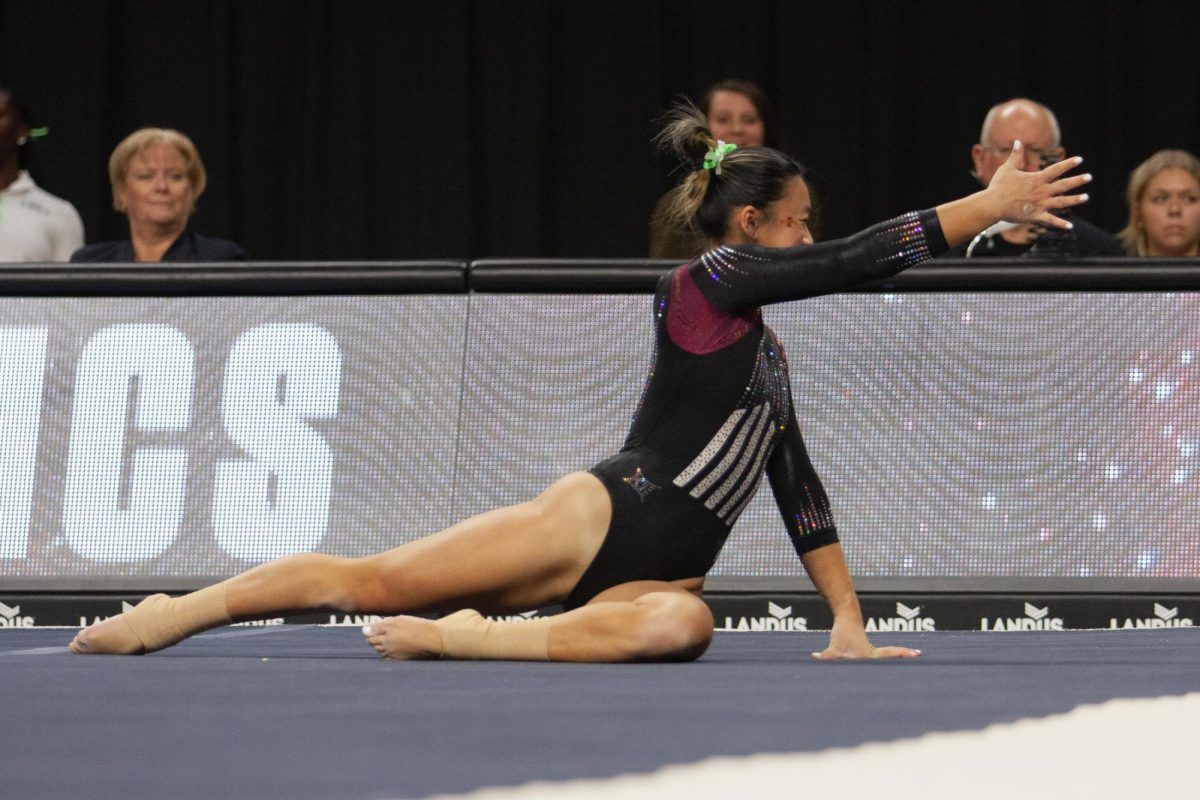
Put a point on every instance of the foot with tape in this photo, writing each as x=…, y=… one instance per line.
x=115, y=636
x=158, y=621
x=464, y=635
x=405, y=638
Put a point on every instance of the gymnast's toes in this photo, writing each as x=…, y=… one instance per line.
x=404, y=638
x=107, y=637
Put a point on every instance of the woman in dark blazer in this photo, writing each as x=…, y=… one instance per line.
x=157, y=176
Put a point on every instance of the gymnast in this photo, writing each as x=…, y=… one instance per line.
x=625, y=546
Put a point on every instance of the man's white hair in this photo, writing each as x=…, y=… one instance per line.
x=1025, y=104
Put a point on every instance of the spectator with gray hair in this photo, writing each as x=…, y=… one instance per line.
x=1036, y=127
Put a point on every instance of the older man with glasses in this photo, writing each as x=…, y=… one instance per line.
x=1037, y=128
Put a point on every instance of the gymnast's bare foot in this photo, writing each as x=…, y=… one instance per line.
x=407, y=638
x=113, y=636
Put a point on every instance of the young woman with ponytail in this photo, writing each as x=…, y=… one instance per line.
x=624, y=547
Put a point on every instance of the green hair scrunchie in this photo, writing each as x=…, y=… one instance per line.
x=714, y=157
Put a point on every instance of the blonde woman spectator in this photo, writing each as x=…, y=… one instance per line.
x=156, y=177
x=1164, y=206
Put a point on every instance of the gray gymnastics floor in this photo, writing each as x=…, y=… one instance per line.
x=308, y=712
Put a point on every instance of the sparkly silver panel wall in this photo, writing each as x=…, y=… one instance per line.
x=1037, y=435
x=1032, y=435
x=347, y=408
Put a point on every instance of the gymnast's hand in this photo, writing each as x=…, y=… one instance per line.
x=849, y=640
x=1031, y=196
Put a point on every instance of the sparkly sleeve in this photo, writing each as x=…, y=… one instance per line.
x=799, y=494
x=735, y=277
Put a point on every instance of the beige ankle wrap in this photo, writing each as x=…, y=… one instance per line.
x=467, y=635
x=160, y=621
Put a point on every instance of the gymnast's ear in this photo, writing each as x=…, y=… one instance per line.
x=744, y=223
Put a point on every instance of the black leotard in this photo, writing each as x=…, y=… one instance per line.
x=717, y=405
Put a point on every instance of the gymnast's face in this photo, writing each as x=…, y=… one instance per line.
x=786, y=222
x=733, y=118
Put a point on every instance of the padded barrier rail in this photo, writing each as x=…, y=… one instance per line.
x=554, y=276
x=949, y=275
x=240, y=279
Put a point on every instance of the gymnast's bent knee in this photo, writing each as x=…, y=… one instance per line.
x=678, y=626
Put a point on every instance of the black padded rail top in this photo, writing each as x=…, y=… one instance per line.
x=555, y=276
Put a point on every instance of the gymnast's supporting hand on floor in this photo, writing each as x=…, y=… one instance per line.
x=624, y=547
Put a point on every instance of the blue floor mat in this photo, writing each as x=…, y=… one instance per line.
x=306, y=712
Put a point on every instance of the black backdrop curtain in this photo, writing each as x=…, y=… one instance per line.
x=392, y=130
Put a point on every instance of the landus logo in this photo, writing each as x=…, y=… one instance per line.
x=258, y=623
x=1035, y=619
x=906, y=619
x=1163, y=618
x=779, y=619
x=10, y=617
x=513, y=617
x=354, y=619
x=85, y=622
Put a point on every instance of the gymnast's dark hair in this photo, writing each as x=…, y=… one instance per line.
x=750, y=176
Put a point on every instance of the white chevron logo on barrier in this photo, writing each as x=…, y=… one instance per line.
x=1033, y=612
x=6, y=611
x=906, y=612
x=125, y=607
x=1164, y=613
x=778, y=612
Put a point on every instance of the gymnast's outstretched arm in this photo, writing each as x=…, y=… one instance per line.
x=737, y=276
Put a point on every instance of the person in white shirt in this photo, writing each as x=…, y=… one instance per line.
x=34, y=224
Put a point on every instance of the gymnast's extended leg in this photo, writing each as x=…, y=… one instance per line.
x=511, y=559
x=638, y=621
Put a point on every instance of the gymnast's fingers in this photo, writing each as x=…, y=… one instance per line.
x=1065, y=201
x=894, y=652
x=1017, y=155
x=1056, y=169
x=1068, y=184
x=1051, y=221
